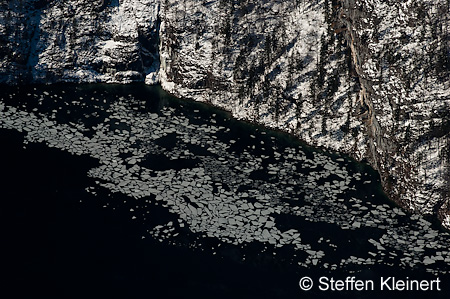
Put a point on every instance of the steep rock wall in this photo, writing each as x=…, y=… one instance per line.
x=401, y=55
x=78, y=41
x=278, y=63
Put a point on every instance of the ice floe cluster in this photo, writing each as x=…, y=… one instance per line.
x=233, y=187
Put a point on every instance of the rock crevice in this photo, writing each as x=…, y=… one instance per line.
x=413, y=162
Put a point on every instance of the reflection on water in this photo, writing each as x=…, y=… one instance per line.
x=190, y=176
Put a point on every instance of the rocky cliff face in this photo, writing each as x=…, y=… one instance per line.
x=401, y=55
x=274, y=62
x=368, y=78
x=80, y=41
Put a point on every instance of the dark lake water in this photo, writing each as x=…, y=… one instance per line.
x=112, y=191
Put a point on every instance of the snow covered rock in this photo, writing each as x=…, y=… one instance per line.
x=78, y=41
x=401, y=53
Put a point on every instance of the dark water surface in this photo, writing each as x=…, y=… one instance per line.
x=113, y=191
